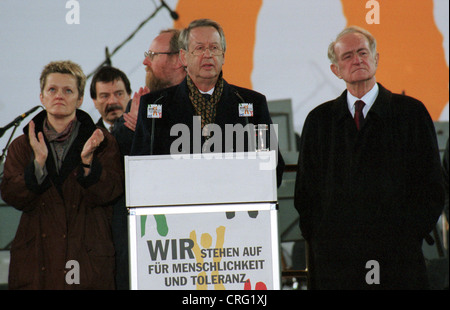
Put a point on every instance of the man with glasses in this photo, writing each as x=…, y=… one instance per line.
x=162, y=64
x=119, y=112
x=202, y=93
x=111, y=93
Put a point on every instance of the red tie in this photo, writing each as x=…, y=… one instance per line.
x=359, y=116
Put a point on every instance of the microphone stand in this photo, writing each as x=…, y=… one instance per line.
x=107, y=61
x=16, y=122
x=16, y=125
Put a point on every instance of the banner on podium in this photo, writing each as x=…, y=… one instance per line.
x=217, y=247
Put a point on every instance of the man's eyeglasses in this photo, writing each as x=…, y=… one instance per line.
x=213, y=50
x=151, y=54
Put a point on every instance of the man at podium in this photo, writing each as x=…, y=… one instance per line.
x=203, y=104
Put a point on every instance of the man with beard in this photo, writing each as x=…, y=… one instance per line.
x=111, y=93
x=163, y=69
x=162, y=64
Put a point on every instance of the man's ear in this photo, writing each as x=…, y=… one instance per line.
x=178, y=63
x=335, y=69
x=182, y=57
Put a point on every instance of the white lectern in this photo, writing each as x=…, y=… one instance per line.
x=203, y=221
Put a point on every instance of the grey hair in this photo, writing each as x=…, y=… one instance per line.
x=183, y=40
x=352, y=29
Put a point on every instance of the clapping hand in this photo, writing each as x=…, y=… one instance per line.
x=131, y=117
x=38, y=145
x=87, y=154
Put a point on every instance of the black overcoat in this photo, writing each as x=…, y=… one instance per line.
x=177, y=109
x=372, y=194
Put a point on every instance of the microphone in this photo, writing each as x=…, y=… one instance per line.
x=242, y=101
x=17, y=120
x=152, y=137
x=251, y=133
x=173, y=14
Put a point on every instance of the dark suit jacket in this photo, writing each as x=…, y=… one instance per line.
x=177, y=109
x=124, y=138
x=123, y=134
x=371, y=194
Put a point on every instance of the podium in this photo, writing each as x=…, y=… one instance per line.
x=203, y=221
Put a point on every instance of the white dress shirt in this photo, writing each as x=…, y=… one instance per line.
x=368, y=98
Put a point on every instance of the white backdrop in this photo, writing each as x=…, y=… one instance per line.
x=289, y=59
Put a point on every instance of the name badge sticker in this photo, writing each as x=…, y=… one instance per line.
x=245, y=109
x=154, y=111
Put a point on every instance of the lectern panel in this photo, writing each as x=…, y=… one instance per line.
x=200, y=179
x=226, y=247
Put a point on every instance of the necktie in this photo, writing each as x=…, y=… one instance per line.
x=207, y=97
x=359, y=116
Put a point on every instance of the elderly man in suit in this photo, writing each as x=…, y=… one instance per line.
x=203, y=97
x=369, y=186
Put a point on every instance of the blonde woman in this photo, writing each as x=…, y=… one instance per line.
x=63, y=173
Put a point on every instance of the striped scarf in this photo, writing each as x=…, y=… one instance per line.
x=204, y=108
x=60, y=141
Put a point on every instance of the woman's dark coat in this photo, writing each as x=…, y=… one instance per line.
x=65, y=230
